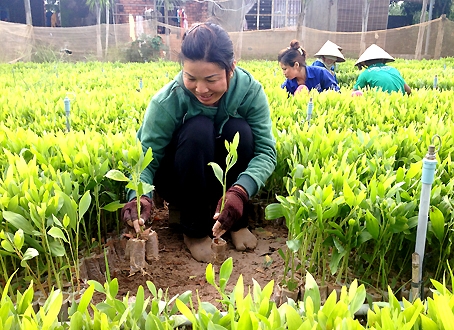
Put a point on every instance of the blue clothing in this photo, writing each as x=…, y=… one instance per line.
x=322, y=65
x=316, y=78
x=48, y=18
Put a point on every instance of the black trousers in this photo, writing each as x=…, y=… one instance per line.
x=185, y=180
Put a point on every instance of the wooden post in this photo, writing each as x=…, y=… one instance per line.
x=440, y=34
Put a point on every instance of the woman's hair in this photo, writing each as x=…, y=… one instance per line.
x=210, y=43
x=294, y=53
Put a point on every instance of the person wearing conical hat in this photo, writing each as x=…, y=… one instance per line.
x=377, y=74
x=328, y=56
x=292, y=61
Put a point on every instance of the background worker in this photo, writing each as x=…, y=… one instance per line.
x=292, y=61
x=328, y=56
x=378, y=75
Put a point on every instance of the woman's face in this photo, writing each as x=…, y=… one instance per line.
x=290, y=72
x=328, y=61
x=206, y=80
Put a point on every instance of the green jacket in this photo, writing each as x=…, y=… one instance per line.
x=174, y=104
x=381, y=76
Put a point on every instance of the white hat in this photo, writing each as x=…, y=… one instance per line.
x=374, y=52
x=331, y=49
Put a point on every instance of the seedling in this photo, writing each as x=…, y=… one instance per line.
x=230, y=160
x=137, y=161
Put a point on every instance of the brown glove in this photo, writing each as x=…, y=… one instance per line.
x=235, y=198
x=129, y=211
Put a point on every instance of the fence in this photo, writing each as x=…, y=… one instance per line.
x=108, y=42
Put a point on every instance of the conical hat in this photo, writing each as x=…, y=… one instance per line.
x=331, y=49
x=374, y=52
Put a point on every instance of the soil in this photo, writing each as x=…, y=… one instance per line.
x=176, y=271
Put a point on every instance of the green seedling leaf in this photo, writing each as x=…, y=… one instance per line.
x=26, y=300
x=55, y=300
x=147, y=188
x=294, y=320
x=311, y=290
x=97, y=286
x=209, y=274
x=76, y=321
x=113, y=287
x=218, y=172
x=7, y=246
x=372, y=225
x=226, y=269
x=146, y=160
x=186, y=311
x=348, y=195
x=114, y=206
x=294, y=245
x=18, y=239
x=86, y=299
x=331, y=212
x=117, y=176
x=56, y=232
x=28, y=255
x=274, y=211
x=139, y=304
x=84, y=204
x=438, y=223
x=18, y=221
x=152, y=288
x=57, y=249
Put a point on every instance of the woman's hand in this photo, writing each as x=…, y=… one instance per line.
x=235, y=198
x=131, y=217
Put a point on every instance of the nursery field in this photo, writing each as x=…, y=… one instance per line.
x=342, y=203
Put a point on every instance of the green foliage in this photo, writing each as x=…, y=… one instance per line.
x=349, y=184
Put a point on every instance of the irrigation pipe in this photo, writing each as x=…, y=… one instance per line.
x=429, y=164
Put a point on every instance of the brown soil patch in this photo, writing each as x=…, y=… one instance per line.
x=176, y=271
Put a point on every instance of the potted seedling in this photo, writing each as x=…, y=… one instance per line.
x=218, y=244
x=145, y=243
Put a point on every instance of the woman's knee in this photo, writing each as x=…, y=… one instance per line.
x=197, y=131
x=246, y=144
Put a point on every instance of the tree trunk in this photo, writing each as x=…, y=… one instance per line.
x=300, y=25
x=365, y=21
x=98, y=31
x=431, y=5
x=422, y=27
x=167, y=31
x=107, y=26
x=28, y=12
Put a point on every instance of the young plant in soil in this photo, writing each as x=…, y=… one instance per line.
x=136, y=162
x=292, y=211
x=230, y=160
x=219, y=245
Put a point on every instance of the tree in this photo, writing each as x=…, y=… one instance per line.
x=440, y=7
x=301, y=17
x=107, y=25
x=421, y=30
x=97, y=5
x=28, y=12
x=365, y=21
